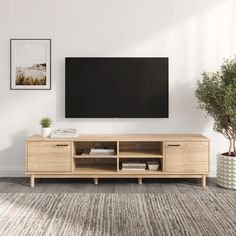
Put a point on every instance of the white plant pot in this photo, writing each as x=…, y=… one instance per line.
x=226, y=171
x=46, y=132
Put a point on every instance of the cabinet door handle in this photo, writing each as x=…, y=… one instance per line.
x=173, y=145
x=62, y=145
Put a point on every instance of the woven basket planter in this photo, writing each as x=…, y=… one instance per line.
x=226, y=171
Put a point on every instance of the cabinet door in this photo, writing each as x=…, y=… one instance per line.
x=186, y=157
x=49, y=156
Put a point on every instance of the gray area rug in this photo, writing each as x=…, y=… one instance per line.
x=117, y=214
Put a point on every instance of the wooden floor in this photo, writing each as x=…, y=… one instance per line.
x=21, y=185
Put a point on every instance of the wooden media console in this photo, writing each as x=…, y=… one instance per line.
x=179, y=155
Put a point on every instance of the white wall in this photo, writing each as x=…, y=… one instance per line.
x=195, y=35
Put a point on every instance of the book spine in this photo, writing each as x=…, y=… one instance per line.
x=134, y=165
x=134, y=169
x=102, y=150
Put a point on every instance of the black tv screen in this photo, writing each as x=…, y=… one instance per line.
x=116, y=87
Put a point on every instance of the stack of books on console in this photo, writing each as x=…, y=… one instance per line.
x=65, y=133
x=133, y=166
x=102, y=151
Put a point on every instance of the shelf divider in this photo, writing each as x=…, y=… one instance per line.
x=93, y=156
x=140, y=154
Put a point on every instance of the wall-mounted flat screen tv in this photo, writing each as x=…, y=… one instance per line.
x=116, y=87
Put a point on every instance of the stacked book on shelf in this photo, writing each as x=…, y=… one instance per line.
x=65, y=133
x=133, y=166
x=102, y=151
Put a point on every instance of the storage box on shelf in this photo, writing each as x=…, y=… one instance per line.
x=178, y=156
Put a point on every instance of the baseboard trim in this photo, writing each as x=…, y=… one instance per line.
x=12, y=171
x=213, y=173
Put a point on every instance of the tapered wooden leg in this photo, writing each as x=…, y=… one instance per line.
x=95, y=180
x=32, y=181
x=140, y=181
x=204, y=181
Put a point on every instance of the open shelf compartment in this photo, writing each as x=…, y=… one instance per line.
x=95, y=165
x=86, y=147
x=141, y=149
x=141, y=160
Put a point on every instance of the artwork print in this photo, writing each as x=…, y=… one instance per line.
x=30, y=64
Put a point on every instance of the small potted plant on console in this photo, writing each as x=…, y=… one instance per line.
x=216, y=94
x=46, y=127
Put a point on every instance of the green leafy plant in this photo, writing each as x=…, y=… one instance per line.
x=216, y=94
x=45, y=122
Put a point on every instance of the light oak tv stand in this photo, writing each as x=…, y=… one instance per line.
x=180, y=156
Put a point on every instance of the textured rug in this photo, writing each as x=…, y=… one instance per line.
x=117, y=214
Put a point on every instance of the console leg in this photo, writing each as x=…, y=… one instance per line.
x=204, y=181
x=140, y=181
x=32, y=181
x=95, y=180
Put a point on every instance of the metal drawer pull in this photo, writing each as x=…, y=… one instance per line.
x=173, y=145
x=62, y=145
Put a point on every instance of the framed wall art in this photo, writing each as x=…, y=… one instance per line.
x=30, y=64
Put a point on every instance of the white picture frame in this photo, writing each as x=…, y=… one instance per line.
x=30, y=62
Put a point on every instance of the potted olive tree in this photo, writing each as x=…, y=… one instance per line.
x=46, y=127
x=216, y=94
